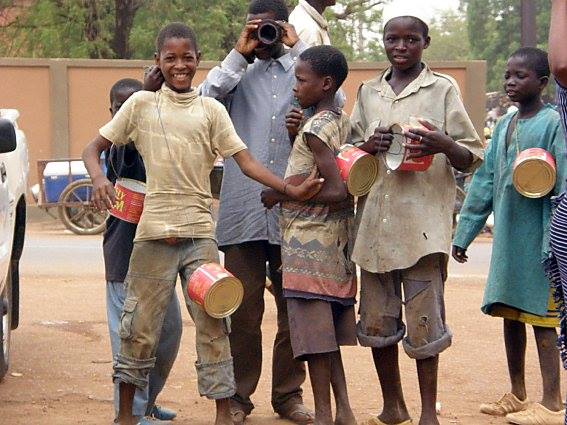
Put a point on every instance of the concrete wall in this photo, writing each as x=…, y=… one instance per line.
x=63, y=102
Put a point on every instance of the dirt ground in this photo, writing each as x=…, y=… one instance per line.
x=60, y=372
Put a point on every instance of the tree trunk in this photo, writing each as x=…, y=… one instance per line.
x=124, y=19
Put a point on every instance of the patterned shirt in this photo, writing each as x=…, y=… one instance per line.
x=315, y=249
x=178, y=135
x=408, y=215
x=258, y=97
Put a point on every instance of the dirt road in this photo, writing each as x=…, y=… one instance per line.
x=60, y=371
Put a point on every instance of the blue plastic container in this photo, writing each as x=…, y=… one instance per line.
x=56, y=179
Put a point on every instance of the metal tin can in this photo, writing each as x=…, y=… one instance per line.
x=129, y=203
x=534, y=173
x=396, y=157
x=216, y=290
x=358, y=169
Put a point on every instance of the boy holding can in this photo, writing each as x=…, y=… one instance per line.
x=517, y=289
x=179, y=135
x=404, y=223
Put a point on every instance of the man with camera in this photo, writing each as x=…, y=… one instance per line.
x=255, y=82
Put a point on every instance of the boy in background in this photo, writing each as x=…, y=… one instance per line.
x=405, y=222
x=118, y=241
x=309, y=23
x=517, y=289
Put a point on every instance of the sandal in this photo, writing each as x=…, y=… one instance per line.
x=298, y=414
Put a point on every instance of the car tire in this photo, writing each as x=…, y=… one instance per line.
x=6, y=327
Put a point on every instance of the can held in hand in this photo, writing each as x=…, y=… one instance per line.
x=534, y=173
x=129, y=203
x=216, y=290
x=358, y=169
x=396, y=157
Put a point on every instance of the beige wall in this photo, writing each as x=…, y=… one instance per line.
x=63, y=102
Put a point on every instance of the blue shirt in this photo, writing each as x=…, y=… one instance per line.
x=258, y=96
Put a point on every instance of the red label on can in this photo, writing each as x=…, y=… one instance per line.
x=129, y=203
x=203, y=279
x=346, y=158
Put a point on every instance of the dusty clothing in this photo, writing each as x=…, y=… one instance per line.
x=150, y=285
x=318, y=327
x=315, y=249
x=311, y=27
x=179, y=151
x=408, y=215
x=381, y=303
x=247, y=261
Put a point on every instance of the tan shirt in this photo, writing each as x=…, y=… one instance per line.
x=311, y=27
x=408, y=215
x=179, y=153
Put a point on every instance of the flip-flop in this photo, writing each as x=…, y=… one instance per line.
x=376, y=421
x=298, y=414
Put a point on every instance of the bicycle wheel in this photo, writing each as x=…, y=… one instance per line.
x=77, y=212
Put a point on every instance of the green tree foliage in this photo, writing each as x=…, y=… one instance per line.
x=494, y=32
x=449, y=38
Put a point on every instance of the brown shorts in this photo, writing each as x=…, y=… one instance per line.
x=381, y=303
x=318, y=326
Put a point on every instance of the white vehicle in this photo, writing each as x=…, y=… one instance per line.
x=14, y=168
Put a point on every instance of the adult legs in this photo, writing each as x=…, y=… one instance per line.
x=288, y=374
x=247, y=262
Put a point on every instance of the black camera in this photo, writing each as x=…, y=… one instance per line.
x=269, y=32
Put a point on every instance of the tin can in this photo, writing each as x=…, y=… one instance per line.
x=129, y=203
x=396, y=157
x=358, y=169
x=534, y=173
x=216, y=290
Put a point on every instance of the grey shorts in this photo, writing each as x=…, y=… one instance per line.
x=381, y=325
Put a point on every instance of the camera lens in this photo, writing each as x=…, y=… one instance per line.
x=269, y=33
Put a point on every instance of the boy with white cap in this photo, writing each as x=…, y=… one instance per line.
x=404, y=223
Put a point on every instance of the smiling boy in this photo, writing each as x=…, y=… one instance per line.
x=179, y=135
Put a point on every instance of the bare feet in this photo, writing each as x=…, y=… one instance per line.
x=224, y=416
x=428, y=420
x=394, y=417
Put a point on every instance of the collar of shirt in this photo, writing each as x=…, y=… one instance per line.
x=179, y=98
x=381, y=85
x=317, y=17
x=286, y=62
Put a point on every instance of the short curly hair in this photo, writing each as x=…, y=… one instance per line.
x=277, y=7
x=175, y=30
x=327, y=61
x=535, y=59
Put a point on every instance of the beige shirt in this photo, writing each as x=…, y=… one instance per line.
x=179, y=151
x=312, y=28
x=408, y=215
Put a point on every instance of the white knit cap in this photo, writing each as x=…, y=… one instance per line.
x=399, y=8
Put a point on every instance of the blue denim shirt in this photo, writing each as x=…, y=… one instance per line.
x=258, y=96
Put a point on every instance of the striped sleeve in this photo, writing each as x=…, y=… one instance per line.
x=562, y=104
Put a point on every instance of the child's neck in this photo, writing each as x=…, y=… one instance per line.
x=401, y=78
x=529, y=108
x=190, y=89
x=326, y=104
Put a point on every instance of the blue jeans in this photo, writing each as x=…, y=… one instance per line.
x=167, y=349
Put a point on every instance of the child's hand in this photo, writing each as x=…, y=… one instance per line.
x=460, y=254
x=153, y=79
x=379, y=142
x=293, y=121
x=430, y=140
x=306, y=190
x=103, y=193
x=247, y=41
x=289, y=35
x=269, y=198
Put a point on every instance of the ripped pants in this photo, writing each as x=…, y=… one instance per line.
x=153, y=270
x=381, y=324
